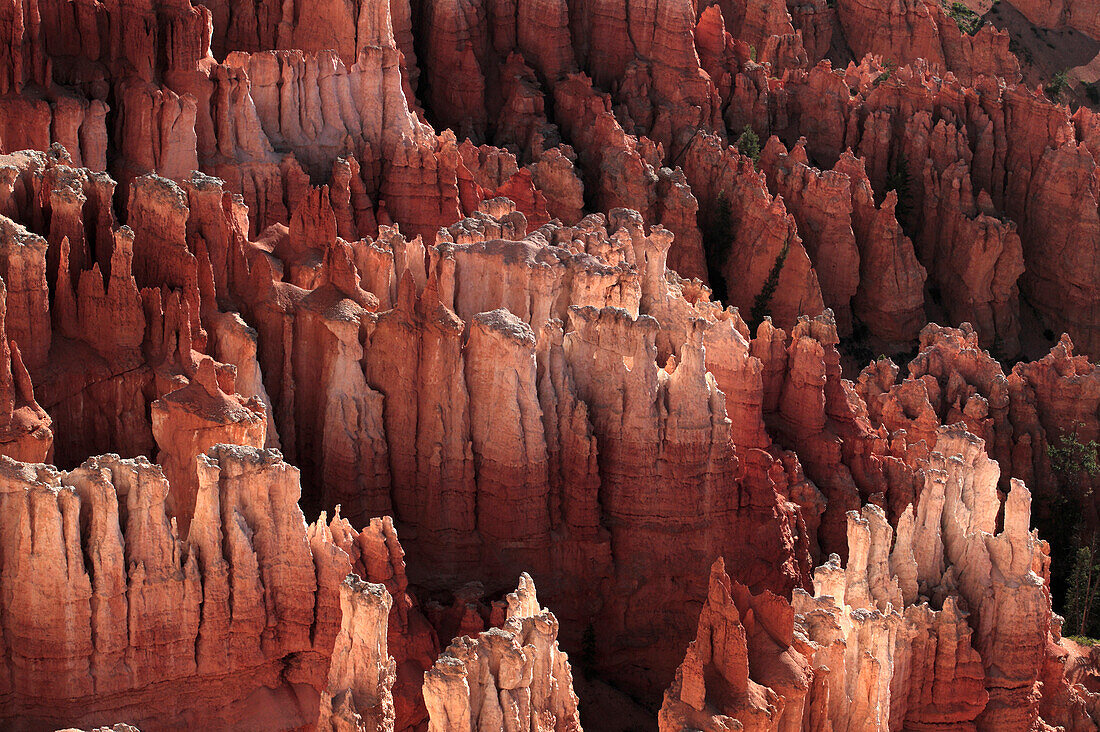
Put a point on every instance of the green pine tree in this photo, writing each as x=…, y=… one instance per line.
x=1058, y=84
x=588, y=650
x=1081, y=595
x=968, y=21
x=748, y=144
x=1070, y=458
x=763, y=301
x=1061, y=522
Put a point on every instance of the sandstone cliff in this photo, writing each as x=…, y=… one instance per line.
x=516, y=279
x=247, y=621
x=949, y=623
x=109, y=613
x=279, y=95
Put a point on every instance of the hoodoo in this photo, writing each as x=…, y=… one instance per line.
x=762, y=337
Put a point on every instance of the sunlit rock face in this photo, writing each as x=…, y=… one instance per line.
x=944, y=622
x=512, y=677
x=556, y=290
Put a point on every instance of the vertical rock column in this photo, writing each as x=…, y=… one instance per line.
x=513, y=677
x=189, y=421
x=360, y=678
x=507, y=432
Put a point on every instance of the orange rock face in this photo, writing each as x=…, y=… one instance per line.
x=740, y=636
x=558, y=290
x=235, y=600
x=507, y=678
x=948, y=624
x=1077, y=14
x=411, y=641
x=189, y=421
x=248, y=619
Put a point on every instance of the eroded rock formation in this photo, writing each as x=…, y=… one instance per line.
x=741, y=636
x=110, y=613
x=943, y=622
x=512, y=677
x=516, y=279
x=248, y=620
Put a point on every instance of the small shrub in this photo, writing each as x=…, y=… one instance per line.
x=1020, y=50
x=717, y=238
x=1058, y=84
x=1083, y=640
x=1070, y=457
x=968, y=21
x=763, y=301
x=891, y=67
x=748, y=144
x=898, y=181
x=1092, y=91
x=1081, y=595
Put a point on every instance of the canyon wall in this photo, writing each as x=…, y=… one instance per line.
x=557, y=290
x=272, y=98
